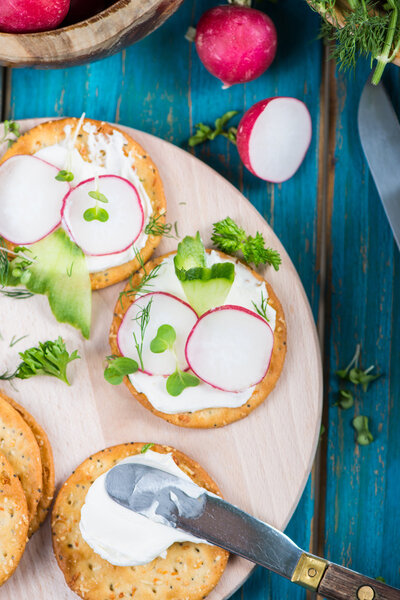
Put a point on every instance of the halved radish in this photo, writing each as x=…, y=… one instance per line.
x=273, y=138
x=230, y=348
x=164, y=309
x=30, y=199
x=125, y=216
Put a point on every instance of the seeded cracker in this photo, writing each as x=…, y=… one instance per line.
x=13, y=520
x=211, y=417
x=52, y=132
x=189, y=572
x=46, y=456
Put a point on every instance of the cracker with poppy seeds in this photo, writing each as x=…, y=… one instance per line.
x=208, y=417
x=14, y=520
x=189, y=571
x=19, y=446
x=46, y=456
x=53, y=132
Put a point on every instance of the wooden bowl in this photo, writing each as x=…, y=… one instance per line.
x=108, y=32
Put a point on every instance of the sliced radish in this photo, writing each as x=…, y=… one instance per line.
x=30, y=199
x=230, y=348
x=125, y=216
x=273, y=138
x=164, y=309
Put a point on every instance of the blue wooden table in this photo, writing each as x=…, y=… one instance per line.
x=331, y=221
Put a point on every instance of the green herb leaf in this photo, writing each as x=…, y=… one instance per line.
x=363, y=434
x=356, y=374
x=145, y=284
x=143, y=318
x=48, y=358
x=179, y=381
x=204, y=132
x=146, y=447
x=231, y=238
x=98, y=196
x=262, y=309
x=380, y=578
x=346, y=399
x=118, y=367
x=10, y=127
x=64, y=175
x=164, y=339
x=158, y=228
x=95, y=214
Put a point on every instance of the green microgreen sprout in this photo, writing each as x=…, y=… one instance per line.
x=118, y=367
x=142, y=318
x=146, y=447
x=96, y=213
x=262, y=308
x=355, y=374
x=231, y=238
x=10, y=128
x=48, y=358
x=345, y=400
x=179, y=380
x=363, y=434
x=64, y=175
x=205, y=132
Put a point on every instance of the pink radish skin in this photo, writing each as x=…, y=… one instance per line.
x=165, y=309
x=273, y=138
x=100, y=232
x=236, y=44
x=24, y=16
x=29, y=212
x=244, y=359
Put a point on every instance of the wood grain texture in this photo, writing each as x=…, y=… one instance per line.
x=340, y=583
x=265, y=472
x=166, y=93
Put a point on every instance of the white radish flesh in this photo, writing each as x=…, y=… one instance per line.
x=125, y=216
x=273, y=138
x=165, y=309
x=230, y=348
x=31, y=199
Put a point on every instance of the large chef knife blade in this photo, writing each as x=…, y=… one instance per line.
x=178, y=503
x=379, y=131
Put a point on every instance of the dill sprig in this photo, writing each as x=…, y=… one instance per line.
x=144, y=286
x=262, y=308
x=17, y=294
x=142, y=318
x=159, y=229
x=4, y=263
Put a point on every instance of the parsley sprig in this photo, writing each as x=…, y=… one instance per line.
x=11, y=128
x=48, y=358
x=205, y=132
x=231, y=238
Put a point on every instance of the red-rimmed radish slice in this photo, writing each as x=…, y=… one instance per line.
x=273, y=137
x=230, y=348
x=31, y=199
x=125, y=216
x=164, y=309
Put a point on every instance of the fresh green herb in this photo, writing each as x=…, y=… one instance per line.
x=145, y=284
x=96, y=213
x=17, y=294
x=204, y=287
x=10, y=128
x=262, y=309
x=158, y=228
x=380, y=578
x=98, y=196
x=179, y=380
x=118, y=367
x=205, y=132
x=48, y=358
x=142, y=318
x=177, y=236
x=231, y=238
x=345, y=400
x=321, y=431
x=15, y=340
x=363, y=434
x=64, y=175
x=4, y=263
x=146, y=447
x=355, y=374
x=367, y=28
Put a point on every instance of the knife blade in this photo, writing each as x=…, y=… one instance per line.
x=175, y=502
x=379, y=131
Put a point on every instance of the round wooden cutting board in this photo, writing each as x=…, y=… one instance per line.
x=260, y=463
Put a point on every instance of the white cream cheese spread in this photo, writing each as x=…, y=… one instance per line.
x=245, y=290
x=107, y=157
x=121, y=536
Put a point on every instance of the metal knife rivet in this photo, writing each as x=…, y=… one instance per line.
x=312, y=572
x=366, y=592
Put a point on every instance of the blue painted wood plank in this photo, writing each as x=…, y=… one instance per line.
x=160, y=86
x=363, y=484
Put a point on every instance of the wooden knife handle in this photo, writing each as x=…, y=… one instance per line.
x=339, y=583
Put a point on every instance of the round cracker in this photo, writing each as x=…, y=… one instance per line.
x=52, y=132
x=189, y=570
x=13, y=520
x=46, y=456
x=21, y=449
x=210, y=417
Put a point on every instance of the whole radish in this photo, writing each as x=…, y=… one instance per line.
x=24, y=16
x=235, y=43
